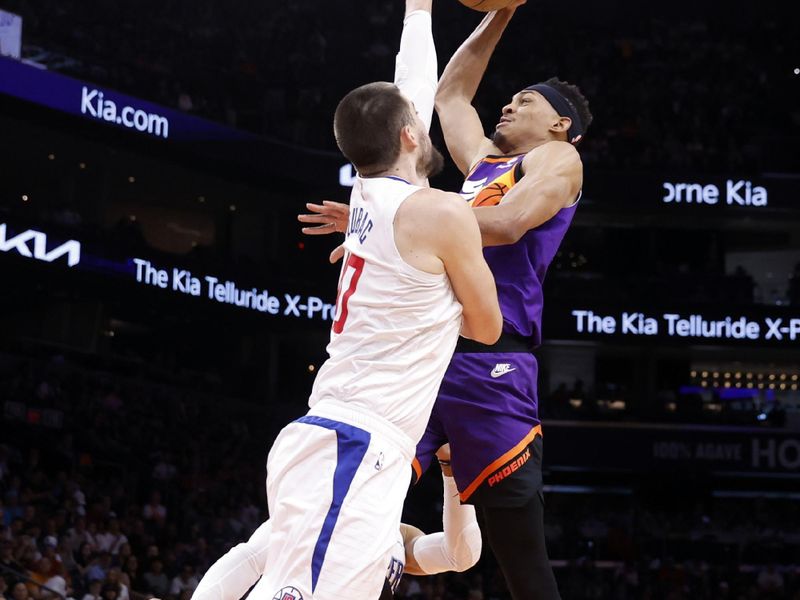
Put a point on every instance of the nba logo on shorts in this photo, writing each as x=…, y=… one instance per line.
x=288, y=593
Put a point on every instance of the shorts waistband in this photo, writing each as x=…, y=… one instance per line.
x=370, y=422
x=508, y=342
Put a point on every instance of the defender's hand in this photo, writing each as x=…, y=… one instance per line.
x=337, y=254
x=329, y=217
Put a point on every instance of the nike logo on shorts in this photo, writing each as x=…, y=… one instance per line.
x=501, y=369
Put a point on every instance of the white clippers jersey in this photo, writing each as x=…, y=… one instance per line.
x=395, y=326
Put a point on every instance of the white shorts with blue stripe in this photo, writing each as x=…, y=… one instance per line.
x=335, y=489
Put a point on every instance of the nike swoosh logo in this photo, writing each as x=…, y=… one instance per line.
x=495, y=373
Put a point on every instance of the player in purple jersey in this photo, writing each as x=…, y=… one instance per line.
x=524, y=184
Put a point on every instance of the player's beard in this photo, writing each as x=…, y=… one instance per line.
x=431, y=161
x=499, y=140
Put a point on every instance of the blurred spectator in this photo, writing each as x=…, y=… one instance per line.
x=94, y=590
x=20, y=591
x=110, y=538
x=56, y=585
x=130, y=576
x=8, y=564
x=770, y=582
x=184, y=582
x=156, y=580
x=155, y=511
x=114, y=577
x=110, y=591
x=605, y=546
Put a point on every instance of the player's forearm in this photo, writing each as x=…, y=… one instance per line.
x=526, y=206
x=416, y=69
x=497, y=228
x=458, y=547
x=412, y=5
x=466, y=68
x=461, y=532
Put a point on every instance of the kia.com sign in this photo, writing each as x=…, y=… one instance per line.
x=95, y=104
x=108, y=106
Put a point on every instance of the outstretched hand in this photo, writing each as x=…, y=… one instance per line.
x=337, y=254
x=329, y=217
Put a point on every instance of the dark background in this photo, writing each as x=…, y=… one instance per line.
x=113, y=390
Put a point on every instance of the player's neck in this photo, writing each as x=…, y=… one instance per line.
x=522, y=148
x=404, y=170
x=528, y=145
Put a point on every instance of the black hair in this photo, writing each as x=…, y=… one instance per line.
x=575, y=96
x=367, y=125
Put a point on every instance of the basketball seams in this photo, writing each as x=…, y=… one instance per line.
x=496, y=191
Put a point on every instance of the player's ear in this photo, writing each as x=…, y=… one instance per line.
x=562, y=125
x=409, y=138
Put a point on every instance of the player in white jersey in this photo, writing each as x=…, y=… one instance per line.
x=457, y=548
x=413, y=277
x=401, y=370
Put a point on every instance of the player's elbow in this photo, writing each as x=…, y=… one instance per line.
x=494, y=330
x=508, y=234
x=468, y=549
x=445, y=96
x=484, y=327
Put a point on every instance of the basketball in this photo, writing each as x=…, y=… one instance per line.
x=486, y=5
x=491, y=195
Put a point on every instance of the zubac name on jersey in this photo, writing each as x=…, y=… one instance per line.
x=360, y=224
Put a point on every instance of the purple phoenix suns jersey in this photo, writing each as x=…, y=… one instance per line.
x=518, y=268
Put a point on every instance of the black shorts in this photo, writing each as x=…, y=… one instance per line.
x=514, y=483
x=386, y=592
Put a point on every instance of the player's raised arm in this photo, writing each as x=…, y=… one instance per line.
x=461, y=125
x=416, y=67
x=416, y=74
x=553, y=176
x=552, y=181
